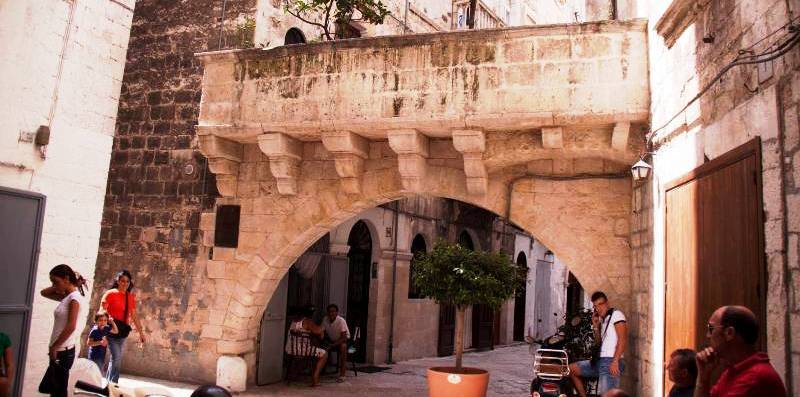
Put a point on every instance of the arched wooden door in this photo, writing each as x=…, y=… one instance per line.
x=360, y=259
x=519, y=302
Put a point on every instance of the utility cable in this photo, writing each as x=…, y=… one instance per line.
x=782, y=49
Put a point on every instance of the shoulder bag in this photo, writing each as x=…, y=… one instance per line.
x=598, y=347
x=123, y=328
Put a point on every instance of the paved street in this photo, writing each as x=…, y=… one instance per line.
x=509, y=368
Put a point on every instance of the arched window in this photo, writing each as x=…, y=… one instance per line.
x=465, y=240
x=418, y=247
x=294, y=36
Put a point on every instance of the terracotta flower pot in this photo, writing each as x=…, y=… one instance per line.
x=446, y=382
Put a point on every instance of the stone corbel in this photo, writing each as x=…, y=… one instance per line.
x=349, y=152
x=285, y=154
x=552, y=137
x=411, y=147
x=472, y=144
x=619, y=138
x=224, y=157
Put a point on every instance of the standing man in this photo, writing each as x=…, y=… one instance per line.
x=682, y=371
x=611, y=333
x=732, y=335
x=336, y=330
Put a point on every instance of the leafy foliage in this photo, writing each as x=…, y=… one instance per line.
x=244, y=33
x=454, y=275
x=322, y=13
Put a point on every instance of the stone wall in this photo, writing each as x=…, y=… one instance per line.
x=61, y=67
x=511, y=79
x=640, y=346
x=747, y=102
x=158, y=184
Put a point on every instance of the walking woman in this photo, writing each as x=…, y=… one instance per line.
x=67, y=289
x=120, y=303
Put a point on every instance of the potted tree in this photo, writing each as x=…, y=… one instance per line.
x=453, y=275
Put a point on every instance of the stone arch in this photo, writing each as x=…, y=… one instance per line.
x=583, y=221
x=294, y=36
x=521, y=259
x=469, y=236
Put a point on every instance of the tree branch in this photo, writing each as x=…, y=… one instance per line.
x=297, y=15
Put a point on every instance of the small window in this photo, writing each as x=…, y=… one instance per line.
x=418, y=247
x=226, y=230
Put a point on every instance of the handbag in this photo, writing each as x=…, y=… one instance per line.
x=123, y=328
x=598, y=347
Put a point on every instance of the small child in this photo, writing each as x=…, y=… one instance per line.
x=97, y=342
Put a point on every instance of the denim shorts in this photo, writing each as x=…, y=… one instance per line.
x=601, y=370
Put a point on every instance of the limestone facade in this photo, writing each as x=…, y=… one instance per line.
x=62, y=68
x=450, y=116
x=692, y=44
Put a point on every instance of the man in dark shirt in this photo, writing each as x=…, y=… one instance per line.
x=732, y=335
x=682, y=371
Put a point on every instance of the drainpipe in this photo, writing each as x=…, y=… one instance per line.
x=394, y=284
x=405, y=19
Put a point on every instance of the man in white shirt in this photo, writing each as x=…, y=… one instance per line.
x=336, y=330
x=611, y=332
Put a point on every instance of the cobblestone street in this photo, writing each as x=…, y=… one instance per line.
x=509, y=367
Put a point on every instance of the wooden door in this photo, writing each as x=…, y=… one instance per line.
x=681, y=271
x=447, y=330
x=714, y=246
x=482, y=327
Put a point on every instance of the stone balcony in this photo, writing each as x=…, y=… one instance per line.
x=503, y=96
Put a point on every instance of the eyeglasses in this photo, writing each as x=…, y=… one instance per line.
x=712, y=327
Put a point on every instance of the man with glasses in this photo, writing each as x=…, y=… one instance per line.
x=732, y=335
x=611, y=333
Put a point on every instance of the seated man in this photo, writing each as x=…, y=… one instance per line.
x=611, y=333
x=733, y=336
x=682, y=371
x=337, y=332
x=306, y=325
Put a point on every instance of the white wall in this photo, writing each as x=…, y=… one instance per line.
x=65, y=58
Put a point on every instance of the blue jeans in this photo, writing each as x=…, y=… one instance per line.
x=115, y=346
x=601, y=370
x=100, y=361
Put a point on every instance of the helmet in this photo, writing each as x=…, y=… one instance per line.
x=210, y=391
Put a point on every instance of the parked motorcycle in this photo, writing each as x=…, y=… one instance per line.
x=572, y=341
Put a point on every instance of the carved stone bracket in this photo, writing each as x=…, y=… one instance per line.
x=619, y=138
x=411, y=147
x=553, y=137
x=472, y=144
x=285, y=154
x=224, y=157
x=349, y=152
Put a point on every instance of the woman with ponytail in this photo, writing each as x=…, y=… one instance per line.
x=67, y=290
x=120, y=303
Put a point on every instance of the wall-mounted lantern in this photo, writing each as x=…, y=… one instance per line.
x=641, y=170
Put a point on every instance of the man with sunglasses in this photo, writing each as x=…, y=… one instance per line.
x=732, y=335
x=611, y=333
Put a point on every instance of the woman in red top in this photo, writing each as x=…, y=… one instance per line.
x=114, y=302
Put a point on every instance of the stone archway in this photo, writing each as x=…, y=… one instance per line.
x=589, y=232
x=520, y=122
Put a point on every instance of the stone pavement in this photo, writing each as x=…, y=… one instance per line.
x=509, y=368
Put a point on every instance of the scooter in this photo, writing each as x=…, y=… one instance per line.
x=550, y=367
x=572, y=342
x=85, y=379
